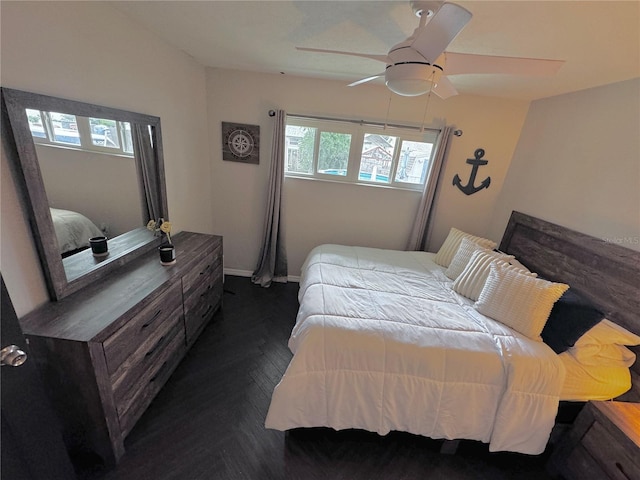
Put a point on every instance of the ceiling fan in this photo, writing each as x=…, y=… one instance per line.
x=420, y=63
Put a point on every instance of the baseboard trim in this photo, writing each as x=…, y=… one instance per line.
x=247, y=273
x=237, y=273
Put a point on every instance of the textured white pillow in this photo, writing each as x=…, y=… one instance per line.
x=452, y=242
x=517, y=300
x=461, y=258
x=519, y=265
x=472, y=279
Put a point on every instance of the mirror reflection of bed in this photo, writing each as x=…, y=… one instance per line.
x=73, y=231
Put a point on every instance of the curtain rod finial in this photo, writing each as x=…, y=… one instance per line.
x=272, y=113
x=457, y=133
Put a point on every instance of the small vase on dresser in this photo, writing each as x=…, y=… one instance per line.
x=167, y=254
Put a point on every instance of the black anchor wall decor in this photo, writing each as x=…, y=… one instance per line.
x=470, y=188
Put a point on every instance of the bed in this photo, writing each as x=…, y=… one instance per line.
x=73, y=230
x=383, y=341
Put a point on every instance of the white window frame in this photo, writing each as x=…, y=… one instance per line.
x=84, y=134
x=357, y=130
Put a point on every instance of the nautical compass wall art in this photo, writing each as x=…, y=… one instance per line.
x=240, y=142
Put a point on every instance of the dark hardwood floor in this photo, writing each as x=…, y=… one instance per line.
x=208, y=421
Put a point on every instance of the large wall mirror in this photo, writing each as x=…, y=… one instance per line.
x=84, y=170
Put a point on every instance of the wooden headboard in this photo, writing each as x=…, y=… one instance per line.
x=604, y=272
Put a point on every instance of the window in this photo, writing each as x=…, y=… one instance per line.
x=71, y=131
x=358, y=153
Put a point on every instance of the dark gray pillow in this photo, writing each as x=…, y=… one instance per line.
x=570, y=318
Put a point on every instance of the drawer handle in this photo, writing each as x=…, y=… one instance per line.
x=207, y=312
x=152, y=320
x=620, y=467
x=155, y=377
x=155, y=347
x=206, y=291
x=205, y=269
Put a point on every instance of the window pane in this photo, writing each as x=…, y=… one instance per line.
x=377, y=157
x=333, y=153
x=413, y=162
x=104, y=132
x=35, y=123
x=127, y=141
x=65, y=128
x=300, y=142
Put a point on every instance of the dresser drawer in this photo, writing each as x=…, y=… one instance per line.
x=603, y=443
x=152, y=379
x=140, y=329
x=202, y=303
x=209, y=262
x=610, y=455
x=126, y=379
x=580, y=464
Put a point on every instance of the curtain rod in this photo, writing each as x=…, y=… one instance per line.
x=272, y=113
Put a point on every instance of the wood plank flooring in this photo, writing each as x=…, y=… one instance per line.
x=208, y=421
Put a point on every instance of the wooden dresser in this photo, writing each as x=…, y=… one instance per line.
x=106, y=350
x=603, y=443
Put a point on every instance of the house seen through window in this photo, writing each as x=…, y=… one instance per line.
x=358, y=153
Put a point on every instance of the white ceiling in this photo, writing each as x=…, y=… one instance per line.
x=599, y=40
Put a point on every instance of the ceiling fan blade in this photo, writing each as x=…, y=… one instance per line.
x=445, y=89
x=466, y=63
x=365, y=80
x=380, y=58
x=436, y=35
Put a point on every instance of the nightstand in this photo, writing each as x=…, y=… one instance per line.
x=603, y=443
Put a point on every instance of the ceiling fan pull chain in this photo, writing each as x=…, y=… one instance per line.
x=386, y=119
x=426, y=107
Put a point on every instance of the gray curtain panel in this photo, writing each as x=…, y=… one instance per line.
x=421, y=232
x=272, y=266
x=147, y=172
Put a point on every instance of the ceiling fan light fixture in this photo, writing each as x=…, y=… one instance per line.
x=409, y=87
x=411, y=79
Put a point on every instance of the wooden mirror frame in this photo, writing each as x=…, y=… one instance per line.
x=63, y=277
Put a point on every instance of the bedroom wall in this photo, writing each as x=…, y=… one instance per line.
x=96, y=177
x=89, y=51
x=578, y=164
x=320, y=212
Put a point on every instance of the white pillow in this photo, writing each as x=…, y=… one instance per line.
x=461, y=258
x=472, y=279
x=605, y=333
x=452, y=242
x=609, y=355
x=519, y=265
x=516, y=263
x=517, y=300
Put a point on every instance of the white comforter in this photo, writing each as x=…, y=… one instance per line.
x=382, y=343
